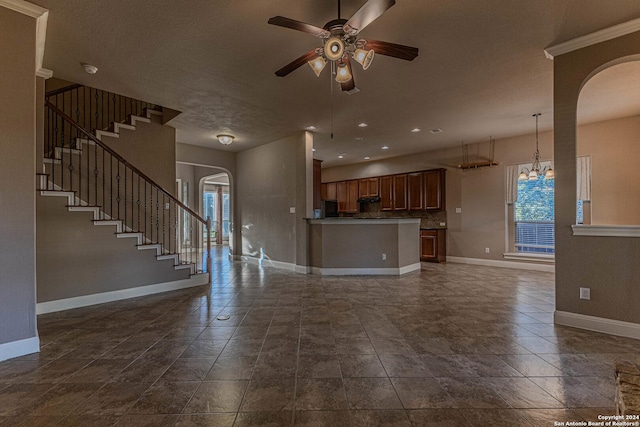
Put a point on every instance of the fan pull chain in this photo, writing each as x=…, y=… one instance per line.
x=333, y=65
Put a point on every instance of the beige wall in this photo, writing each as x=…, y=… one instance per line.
x=271, y=179
x=77, y=258
x=614, y=147
x=151, y=148
x=17, y=176
x=607, y=265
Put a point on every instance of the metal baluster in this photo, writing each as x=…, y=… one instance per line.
x=138, y=204
x=157, y=216
x=111, y=185
x=118, y=184
x=164, y=237
x=151, y=223
x=104, y=205
x=95, y=175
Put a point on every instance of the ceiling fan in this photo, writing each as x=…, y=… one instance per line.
x=340, y=43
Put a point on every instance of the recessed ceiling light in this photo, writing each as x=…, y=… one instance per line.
x=436, y=130
x=384, y=147
x=415, y=130
x=362, y=125
x=359, y=138
x=311, y=127
x=367, y=158
x=341, y=155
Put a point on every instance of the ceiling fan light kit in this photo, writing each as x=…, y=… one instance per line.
x=340, y=43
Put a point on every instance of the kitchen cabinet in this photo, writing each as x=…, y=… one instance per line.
x=415, y=191
x=368, y=187
x=433, y=245
x=386, y=193
x=329, y=191
x=434, y=189
x=400, y=202
x=347, y=195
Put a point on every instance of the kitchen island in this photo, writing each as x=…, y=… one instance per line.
x=364, y=246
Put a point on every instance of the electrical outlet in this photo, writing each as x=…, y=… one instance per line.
x=486, y=250
x=167, y=206
x=443, y=224
x=458, y=210
x=384, y=257
x=585, y=293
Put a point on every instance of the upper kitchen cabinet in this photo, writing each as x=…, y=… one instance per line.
x=368, y=187
x=434, y=189
x=415, y=191
x=386, y=193
x=347, y=195
x=329, y=191
x=400, y=202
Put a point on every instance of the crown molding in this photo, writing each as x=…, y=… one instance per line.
x=593, y=38
x=41, y=16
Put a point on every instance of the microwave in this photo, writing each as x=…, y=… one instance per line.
x=329, y=208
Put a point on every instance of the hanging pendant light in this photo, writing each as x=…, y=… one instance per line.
x=533, y=173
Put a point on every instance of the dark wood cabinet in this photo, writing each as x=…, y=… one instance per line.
x=330, y=191
x=415, y=191
x=400, y=192
x=386, y=193
x=317, y=184
x=368, y=187
x=433, y=245
x=434, y=190
x=342, y=195
x=347, y=195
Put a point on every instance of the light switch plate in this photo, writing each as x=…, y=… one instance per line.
x=292, y=210
x=458, y=210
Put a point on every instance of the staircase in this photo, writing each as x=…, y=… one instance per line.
x=80, y=166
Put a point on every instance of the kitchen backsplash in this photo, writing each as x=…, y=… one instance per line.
x=429, y=219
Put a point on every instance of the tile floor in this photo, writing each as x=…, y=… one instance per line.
x=453, y=345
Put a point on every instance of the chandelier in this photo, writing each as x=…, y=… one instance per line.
x=535, y=171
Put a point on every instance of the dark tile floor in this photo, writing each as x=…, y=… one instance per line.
x=452, y=345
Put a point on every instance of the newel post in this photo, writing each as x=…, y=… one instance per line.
x=209, y=261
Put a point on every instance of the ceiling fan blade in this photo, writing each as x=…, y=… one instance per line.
x=295, y=64
x=350, y=85
x=281, y=21
x=400, y=51
x=368, y=13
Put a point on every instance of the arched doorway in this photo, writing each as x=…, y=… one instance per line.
x=215, y=199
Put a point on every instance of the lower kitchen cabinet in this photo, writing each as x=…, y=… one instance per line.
x=433, y=245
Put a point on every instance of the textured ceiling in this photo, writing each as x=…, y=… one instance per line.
x=481, y=69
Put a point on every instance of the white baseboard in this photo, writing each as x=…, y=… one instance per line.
x=597, y=324
x=365, y=271
x=502, y=264
x=19, y=348
x=275, y=264
x=101, y=298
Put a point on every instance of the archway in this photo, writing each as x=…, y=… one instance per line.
x=608, y=117
x=215, y=197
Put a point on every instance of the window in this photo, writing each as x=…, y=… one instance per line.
x=533, y=216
